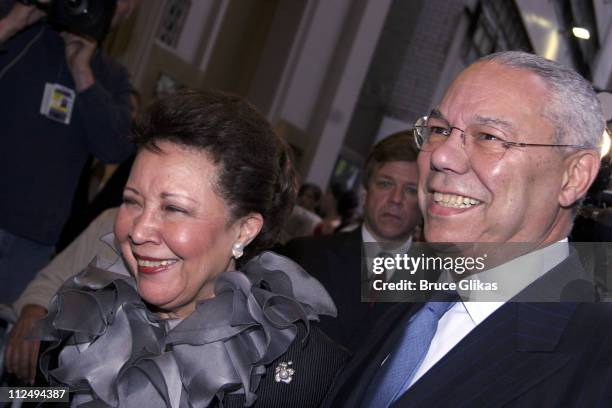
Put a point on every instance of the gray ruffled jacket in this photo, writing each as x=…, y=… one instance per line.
x=253, y=344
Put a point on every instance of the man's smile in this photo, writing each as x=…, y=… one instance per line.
x=454, y=200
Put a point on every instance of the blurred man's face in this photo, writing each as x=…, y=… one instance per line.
x=308, y=200
x=391, y=206
x=471, y=198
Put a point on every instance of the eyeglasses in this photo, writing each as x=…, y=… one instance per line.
x=478, y=139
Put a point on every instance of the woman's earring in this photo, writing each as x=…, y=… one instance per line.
x=237, y=250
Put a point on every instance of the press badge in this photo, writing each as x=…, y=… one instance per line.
x=57, y=103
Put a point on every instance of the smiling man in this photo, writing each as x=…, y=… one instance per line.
x=510, y=186
x=505, y=158
x=390, y=218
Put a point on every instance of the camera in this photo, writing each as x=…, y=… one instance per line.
x=89, y=18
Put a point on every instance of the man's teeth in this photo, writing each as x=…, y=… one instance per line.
x=142, y=262
x=453, y=200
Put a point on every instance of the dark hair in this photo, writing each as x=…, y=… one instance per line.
x=316, y=190
x=255, y=173
x=347, y=205
x=337, y=188
x=399, y=146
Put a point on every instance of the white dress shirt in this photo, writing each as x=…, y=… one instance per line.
x=463, y=317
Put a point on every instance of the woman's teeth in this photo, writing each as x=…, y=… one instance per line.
x=455, y=201
x=153, y=264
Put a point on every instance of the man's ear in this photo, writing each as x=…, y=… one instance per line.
x=249, y=226
x=581, y=168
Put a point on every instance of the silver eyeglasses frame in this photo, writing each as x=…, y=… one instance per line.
x=420, y=139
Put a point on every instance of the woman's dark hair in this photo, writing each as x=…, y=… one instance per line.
x=255, y=173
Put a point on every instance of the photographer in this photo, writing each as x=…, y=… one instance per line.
x=62, y=100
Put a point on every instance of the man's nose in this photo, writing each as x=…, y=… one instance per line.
x=451, y=155
x=397, y=195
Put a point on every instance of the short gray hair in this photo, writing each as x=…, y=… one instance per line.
x=573, y=107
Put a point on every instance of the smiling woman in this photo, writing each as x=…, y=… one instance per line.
x=176, y=233
x=210, y=188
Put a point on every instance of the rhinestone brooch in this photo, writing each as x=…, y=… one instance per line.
x=284, y=372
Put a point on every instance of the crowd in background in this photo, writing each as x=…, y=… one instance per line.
x=59, y=195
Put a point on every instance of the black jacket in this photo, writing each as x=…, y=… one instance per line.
x=335, y=260
x=523, y=355
x=317, y=362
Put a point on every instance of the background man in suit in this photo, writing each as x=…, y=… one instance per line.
x=505, y=157
x=390, y=216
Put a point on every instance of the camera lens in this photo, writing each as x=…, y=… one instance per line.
x=76, y=7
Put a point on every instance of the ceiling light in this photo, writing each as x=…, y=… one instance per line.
x=580, y=32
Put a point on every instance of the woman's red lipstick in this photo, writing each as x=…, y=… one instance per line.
x=149, y=265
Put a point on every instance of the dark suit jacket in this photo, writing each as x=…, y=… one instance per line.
x=335, y=260
x=522, y=355
x=316, y=359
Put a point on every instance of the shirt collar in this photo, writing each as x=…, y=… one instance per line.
x=531, y=266
x=479, y=311
x=367, y=236
x=515, y=275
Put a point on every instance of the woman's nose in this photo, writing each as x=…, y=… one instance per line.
x=144, y=228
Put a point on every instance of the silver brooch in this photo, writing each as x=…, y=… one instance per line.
x=284, y=372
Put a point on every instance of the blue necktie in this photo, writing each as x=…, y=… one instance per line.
x=394, y=376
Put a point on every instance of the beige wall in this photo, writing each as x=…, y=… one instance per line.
x=301, y=62
x=226, y=54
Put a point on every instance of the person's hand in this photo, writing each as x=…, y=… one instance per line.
x=21, y=355
x=20, y=17
x=79, y=51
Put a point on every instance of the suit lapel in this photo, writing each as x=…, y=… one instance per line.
x=344, y=266
x=512, y=351
x=363, y=366
x=345, y=257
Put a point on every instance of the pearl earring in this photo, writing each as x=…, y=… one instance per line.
x=238, y=250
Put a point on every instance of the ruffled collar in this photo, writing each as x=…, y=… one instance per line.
x=118, y=352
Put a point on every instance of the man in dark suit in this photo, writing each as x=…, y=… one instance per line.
x=390, y=217
x=505, y=158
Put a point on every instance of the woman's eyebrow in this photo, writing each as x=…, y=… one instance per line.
x=131, y=189
x=176, y=195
